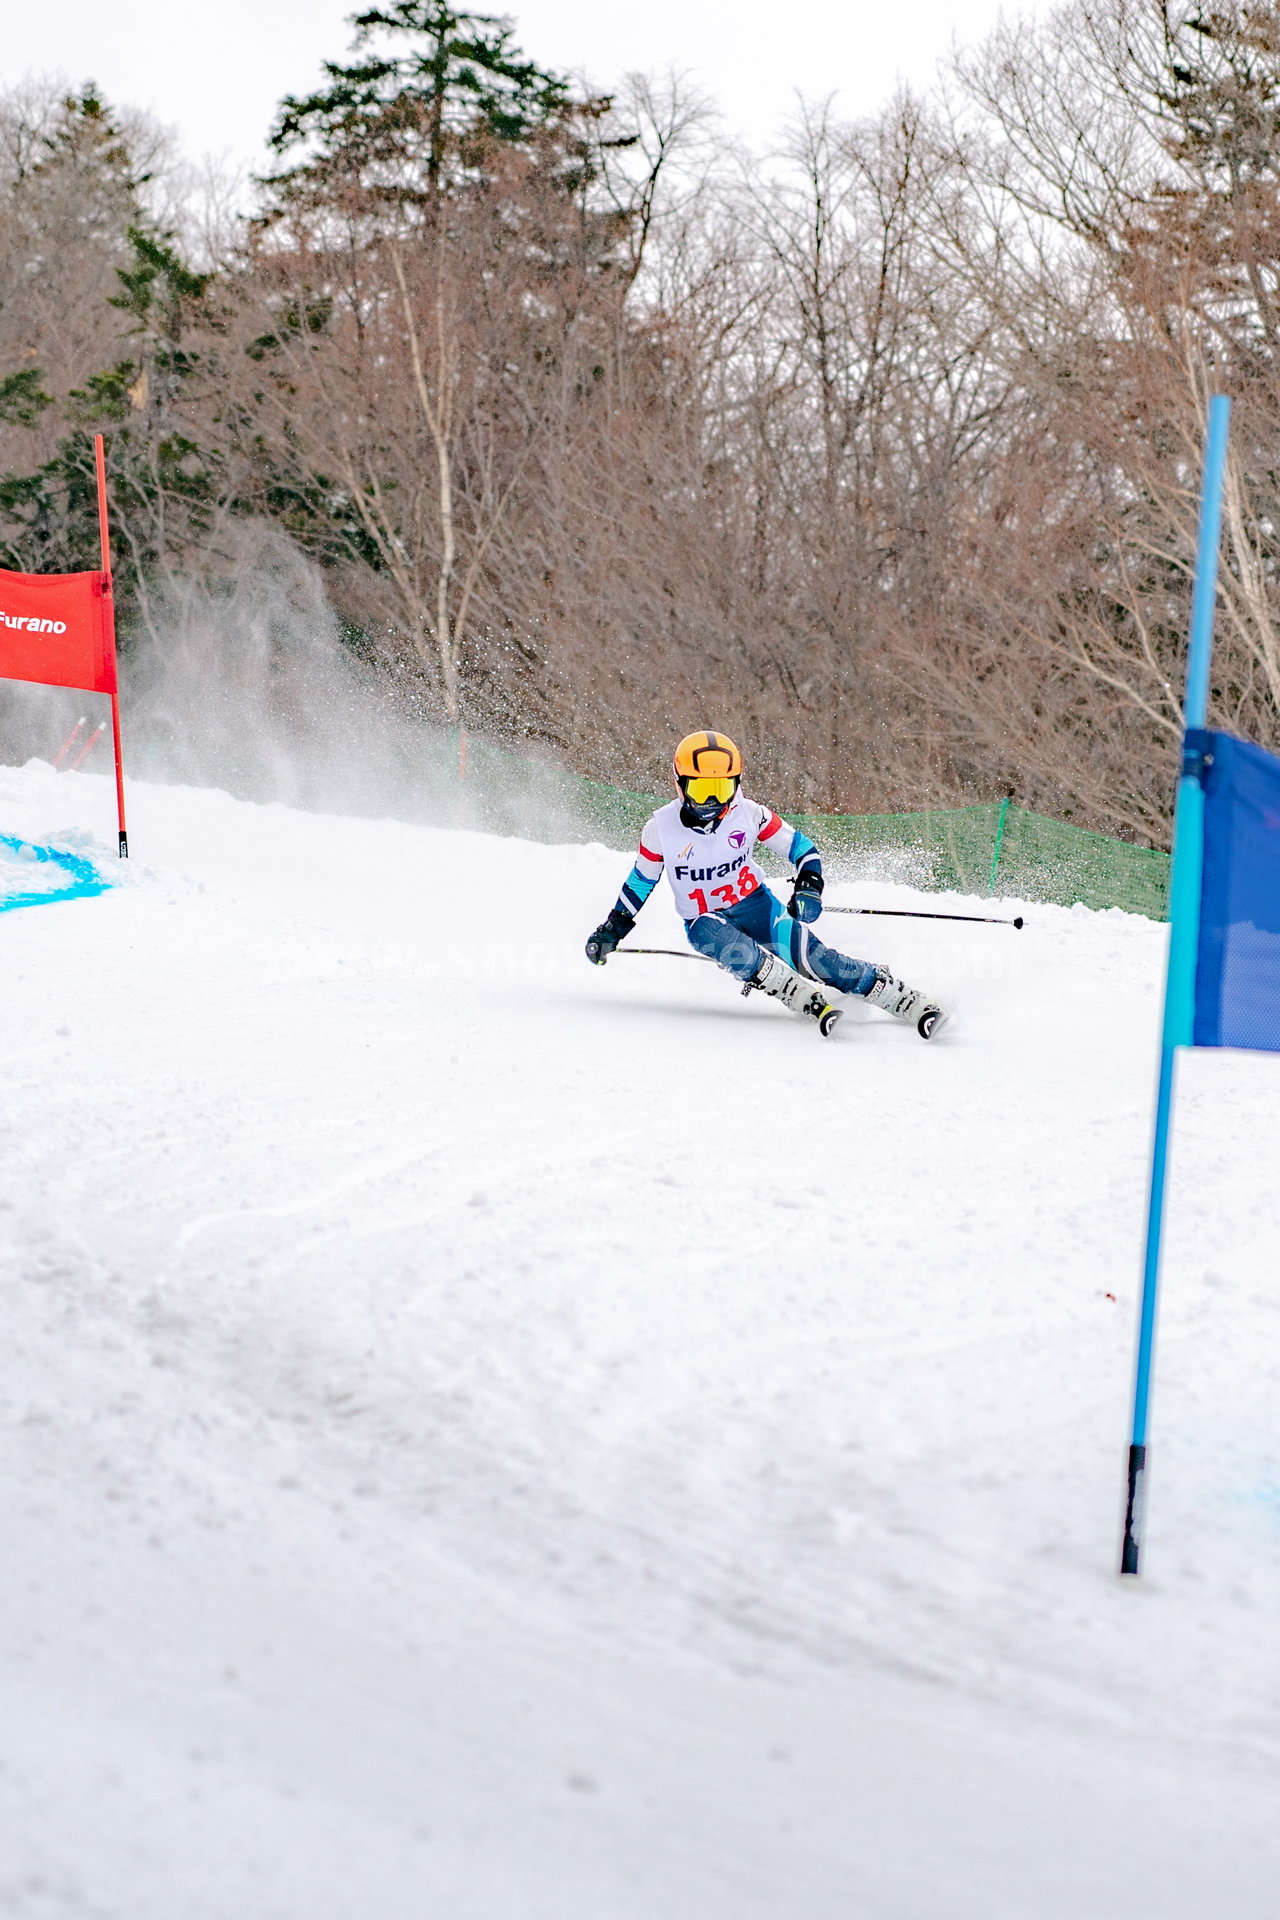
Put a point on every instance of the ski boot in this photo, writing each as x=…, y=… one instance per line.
x=798, y=996
x=906, y=1003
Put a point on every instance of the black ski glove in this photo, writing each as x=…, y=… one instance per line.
x=607, y=935
x=806, y=895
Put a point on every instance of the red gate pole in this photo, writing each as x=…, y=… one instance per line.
x=70, y=740
x=88, y=746
x=110, y=615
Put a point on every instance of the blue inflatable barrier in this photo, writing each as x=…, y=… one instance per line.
x=82, y=877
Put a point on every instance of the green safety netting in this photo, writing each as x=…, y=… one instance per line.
x=995, y=848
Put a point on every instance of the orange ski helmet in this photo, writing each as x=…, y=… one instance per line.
x=707, y=768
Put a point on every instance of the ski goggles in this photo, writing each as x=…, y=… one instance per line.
x=701, y=788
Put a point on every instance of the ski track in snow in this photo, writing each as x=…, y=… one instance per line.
x=488, y=1437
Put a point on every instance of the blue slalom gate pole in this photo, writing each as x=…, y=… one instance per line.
x=1180, y=977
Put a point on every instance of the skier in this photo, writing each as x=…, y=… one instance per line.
x=705, y=840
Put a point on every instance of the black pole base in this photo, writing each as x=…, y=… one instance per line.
x=124, y=845
x=1135, y=1511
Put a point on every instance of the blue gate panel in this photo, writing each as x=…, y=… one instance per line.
x=1238, y=959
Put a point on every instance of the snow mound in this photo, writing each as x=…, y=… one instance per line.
x=490, y=1437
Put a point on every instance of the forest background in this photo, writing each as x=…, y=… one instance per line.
x=879, y=450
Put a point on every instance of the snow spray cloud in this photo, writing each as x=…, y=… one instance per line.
x=246, y=684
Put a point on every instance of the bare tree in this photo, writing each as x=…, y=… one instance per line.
x=881, y=451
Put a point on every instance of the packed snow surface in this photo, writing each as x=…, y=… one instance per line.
x=491, y=1439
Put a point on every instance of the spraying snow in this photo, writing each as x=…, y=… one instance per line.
x=247, y=683
x=493, y=1438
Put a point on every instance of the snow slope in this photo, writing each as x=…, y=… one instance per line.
x=486, y=1439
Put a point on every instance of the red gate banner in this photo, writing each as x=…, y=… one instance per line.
x=59, y=629
x=56, y=628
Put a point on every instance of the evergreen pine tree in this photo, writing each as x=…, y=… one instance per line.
x=397, y=120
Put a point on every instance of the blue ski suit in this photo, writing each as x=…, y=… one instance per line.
x=735, y=935
x=730, y=914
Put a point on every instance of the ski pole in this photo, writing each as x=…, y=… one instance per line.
x=907, y=913
x=672, y=953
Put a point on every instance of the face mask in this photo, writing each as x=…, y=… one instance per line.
x=702, y=818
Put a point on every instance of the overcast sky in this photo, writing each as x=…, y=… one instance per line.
x=215, y=73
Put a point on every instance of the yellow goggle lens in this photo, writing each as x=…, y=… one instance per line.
x=700, y=789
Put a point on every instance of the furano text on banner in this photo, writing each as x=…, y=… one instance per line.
x=55, y=628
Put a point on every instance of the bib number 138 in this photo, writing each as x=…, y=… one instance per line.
x=725, y=896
